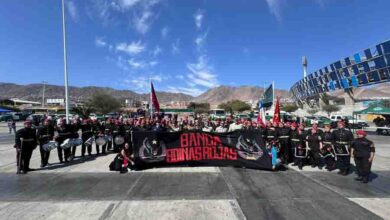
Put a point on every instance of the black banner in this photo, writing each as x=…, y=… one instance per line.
x=195, y=148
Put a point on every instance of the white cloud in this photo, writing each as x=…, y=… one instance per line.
x=141, y=83
x=164, y=32
x=185, y=90
x=128, y=3
x=157, y=50
x=142, y=22
x=201, y=73
x=176, y=47
x=275, y=7
x=136, y=64
x=100, y=42
x=72, y=9
x=153, y=63
x=179, y=76
x=200, y=40
x=132, y=48
x=198, y=16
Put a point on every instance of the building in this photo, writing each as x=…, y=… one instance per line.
x=368, y=67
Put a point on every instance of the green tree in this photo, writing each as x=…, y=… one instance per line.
x=199, y=108
x=289, y=108
x=330, y=108
x=84, y=111
x=104, y=103
x=235, y=106
x=312, y=111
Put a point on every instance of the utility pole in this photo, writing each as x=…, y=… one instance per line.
x=43, y=93
x=65, y=62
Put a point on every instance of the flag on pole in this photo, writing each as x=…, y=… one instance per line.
x=261, y=116
x=153, y=99
x=276, y=117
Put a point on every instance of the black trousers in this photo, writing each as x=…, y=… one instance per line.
x=314, y=158
x=23, y=158
x=285, y=151
x=85, y=147
x=363, y=166
x=63, y=153
x=103, y=148
x=44, y=155
x=343, y=162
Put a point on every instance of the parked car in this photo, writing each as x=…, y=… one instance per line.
x=6, y=117
x=217, y=114
x=242, y=116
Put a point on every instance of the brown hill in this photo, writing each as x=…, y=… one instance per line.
x=33, y=92
x=226, y=93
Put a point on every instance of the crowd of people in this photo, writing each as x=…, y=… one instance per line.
x=293, y=144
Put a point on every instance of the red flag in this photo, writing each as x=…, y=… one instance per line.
x=154, y=100
x=276, y=117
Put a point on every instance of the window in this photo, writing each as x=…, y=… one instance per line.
x=383, y=74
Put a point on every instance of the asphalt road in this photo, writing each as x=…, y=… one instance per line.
x=86, y=189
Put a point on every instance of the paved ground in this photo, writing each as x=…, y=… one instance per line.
x=86, y=189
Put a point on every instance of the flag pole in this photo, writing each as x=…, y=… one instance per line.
x=273, y=93
x=150, y=99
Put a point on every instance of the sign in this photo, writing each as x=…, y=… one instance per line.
x=196, y=148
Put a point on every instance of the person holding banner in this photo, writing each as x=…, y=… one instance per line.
x=363, y=151
x=341, y=146
x=284, y=142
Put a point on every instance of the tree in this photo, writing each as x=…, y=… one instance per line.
x=289, y=108
x=199, y=108
x=84, y=111
x=104, y=103
x=235, y=105
x=312, y=111
x=330, y=108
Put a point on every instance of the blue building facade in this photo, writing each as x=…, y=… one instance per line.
x=368, y=67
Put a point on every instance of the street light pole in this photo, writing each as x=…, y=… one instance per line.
x=43, y=93
x=65, y=62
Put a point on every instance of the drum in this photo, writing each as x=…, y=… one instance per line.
x=76, y=142
x=50, y=146
x=66, y=144
x=300, y=152
x=119, y=140
x=89, y=142
x=101, y=141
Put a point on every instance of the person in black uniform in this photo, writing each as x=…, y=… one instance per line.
x=363, y=151
x=64, y=132
x=327, y=148
x=295, y=141
x=86, y=133
x=342, y=140
x=117, y=131
x=284, y=142
x=45, y=134
x=25, y=143
x=74, y=133
x=314, y=144
x=108, y=129
x=271, y=135
x=101, y=131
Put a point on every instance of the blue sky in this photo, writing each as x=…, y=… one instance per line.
x=183, y=45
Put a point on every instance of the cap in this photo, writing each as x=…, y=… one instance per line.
x=294, y=124
x=361, y=132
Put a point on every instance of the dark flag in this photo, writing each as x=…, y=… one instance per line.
x=154, y=99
